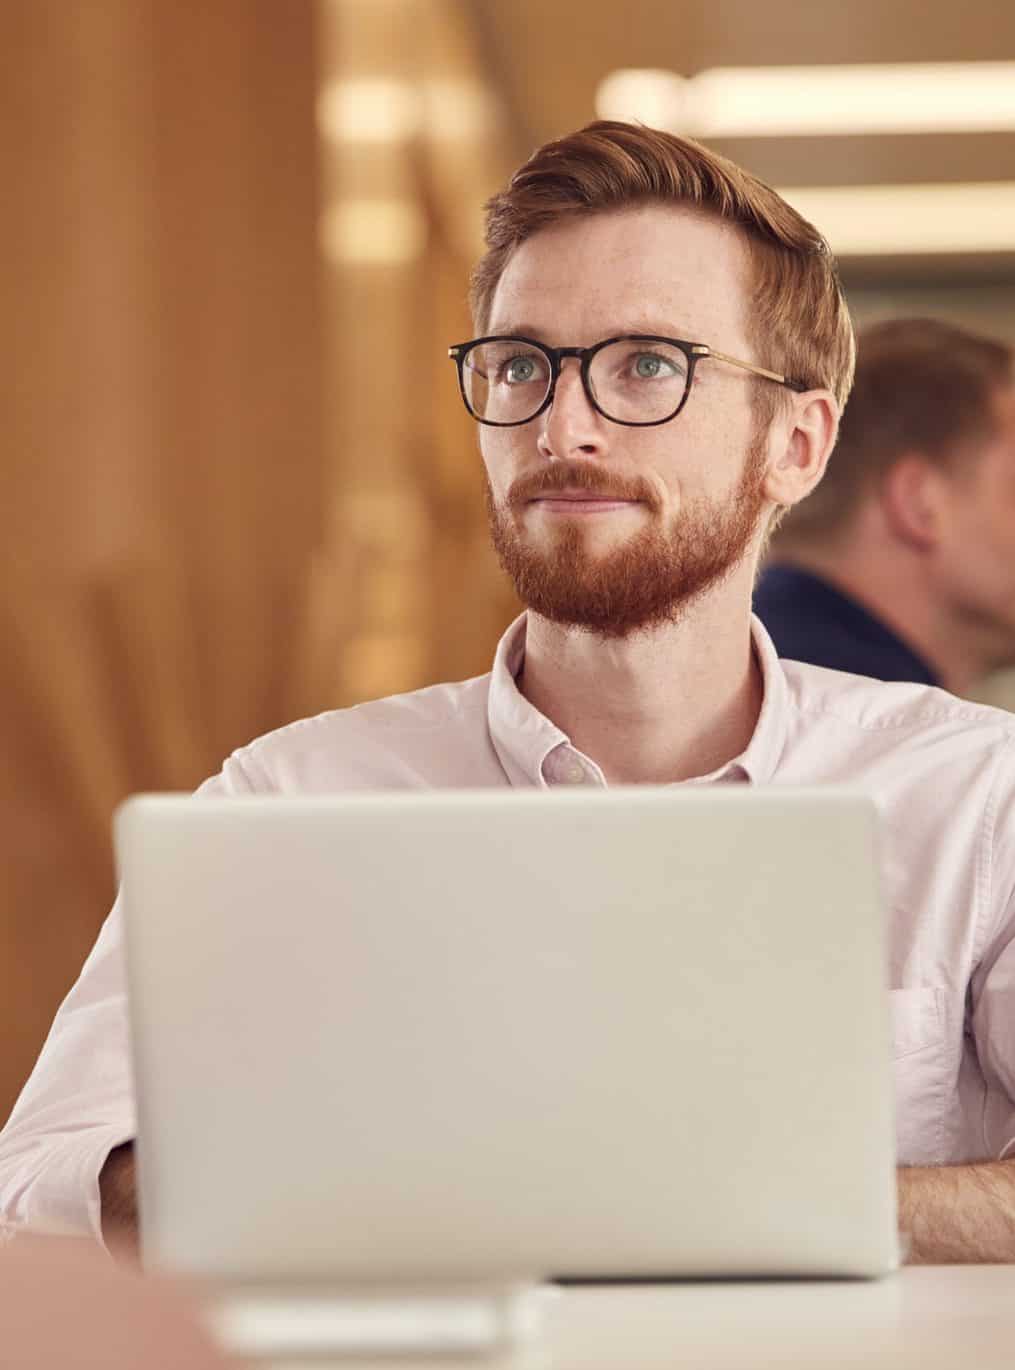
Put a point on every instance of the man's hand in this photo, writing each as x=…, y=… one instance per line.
x=119, y=1201
x=958, y=1214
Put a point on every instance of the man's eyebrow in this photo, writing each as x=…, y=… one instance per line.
x=516, y=330
x=654, y=327
x=662, y=328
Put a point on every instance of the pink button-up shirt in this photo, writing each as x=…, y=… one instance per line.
x=941, y=770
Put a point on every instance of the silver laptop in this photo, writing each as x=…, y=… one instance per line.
x=462, y=1038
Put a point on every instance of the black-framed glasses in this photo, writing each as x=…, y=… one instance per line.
x=637, y=379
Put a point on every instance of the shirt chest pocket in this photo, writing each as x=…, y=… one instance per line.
x=920, y=1065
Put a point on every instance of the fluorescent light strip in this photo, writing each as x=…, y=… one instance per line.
x=383, y=109
x=735, y=102
x=362, y=232
x=370, y=110
x=905, y=220
x=925, y=97
x=646, y=95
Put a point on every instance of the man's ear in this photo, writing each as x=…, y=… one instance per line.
x=800, y=443
x=912, y=498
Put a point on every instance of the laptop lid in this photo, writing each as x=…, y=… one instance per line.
x=481, y=1036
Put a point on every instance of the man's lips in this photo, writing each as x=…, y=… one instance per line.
x=580, y=501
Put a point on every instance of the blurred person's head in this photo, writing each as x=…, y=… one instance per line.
x=618, y=230
x=916, y=512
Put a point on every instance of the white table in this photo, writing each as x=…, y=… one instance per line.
x=925, y=1318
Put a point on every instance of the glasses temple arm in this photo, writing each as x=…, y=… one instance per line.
x=756, y=370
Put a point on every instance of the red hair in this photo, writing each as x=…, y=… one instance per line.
x=799, y=324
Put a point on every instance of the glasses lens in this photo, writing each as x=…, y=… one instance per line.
x=505, y=381
x=635, y=381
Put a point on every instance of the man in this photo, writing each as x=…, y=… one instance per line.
x=902, y=565
x=662, y=352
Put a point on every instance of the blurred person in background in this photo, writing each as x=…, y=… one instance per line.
x=662, y=353
x=901, y=565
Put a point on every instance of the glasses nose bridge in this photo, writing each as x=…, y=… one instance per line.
x=561, y=352
x=559, y=356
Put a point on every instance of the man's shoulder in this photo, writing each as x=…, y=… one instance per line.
x=895, y=708
x=435, y=735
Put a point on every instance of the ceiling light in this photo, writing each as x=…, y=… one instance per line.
x=371, y=110
x=643, y=95
x=457, y=111
x=385, y=110
x=744, y=102
x=373, y=232
x=885, y=220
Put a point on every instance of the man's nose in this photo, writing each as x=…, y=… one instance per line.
x=570, y=425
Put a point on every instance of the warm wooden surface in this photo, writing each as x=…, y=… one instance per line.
x=160, y=358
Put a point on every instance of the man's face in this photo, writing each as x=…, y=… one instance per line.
x=977, y=564
x=669, y=511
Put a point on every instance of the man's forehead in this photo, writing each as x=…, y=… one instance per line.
x=648, y=269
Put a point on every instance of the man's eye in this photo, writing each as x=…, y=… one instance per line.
x=520, y=370
x=649, y=366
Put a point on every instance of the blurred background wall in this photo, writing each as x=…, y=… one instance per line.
x=239, y=485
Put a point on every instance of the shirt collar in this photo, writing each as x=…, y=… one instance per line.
x=762, y=754
x=524, y=739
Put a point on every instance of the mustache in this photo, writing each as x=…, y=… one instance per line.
x=579, y=475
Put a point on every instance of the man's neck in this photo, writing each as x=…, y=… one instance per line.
x=656, y=707
x=895, y=590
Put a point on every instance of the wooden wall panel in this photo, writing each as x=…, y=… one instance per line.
x=162, y=452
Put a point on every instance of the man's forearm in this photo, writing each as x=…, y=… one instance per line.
x=952, y=1215
x=118, y=1194
x=958, y=1214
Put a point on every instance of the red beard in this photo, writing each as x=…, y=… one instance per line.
x=645, y=582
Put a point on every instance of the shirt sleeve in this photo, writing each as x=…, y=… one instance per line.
x=993, y=984
x=78, y=1103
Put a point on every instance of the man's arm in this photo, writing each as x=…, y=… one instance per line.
x=118, y=1195
x=76, y=1105
x=958, y=1214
